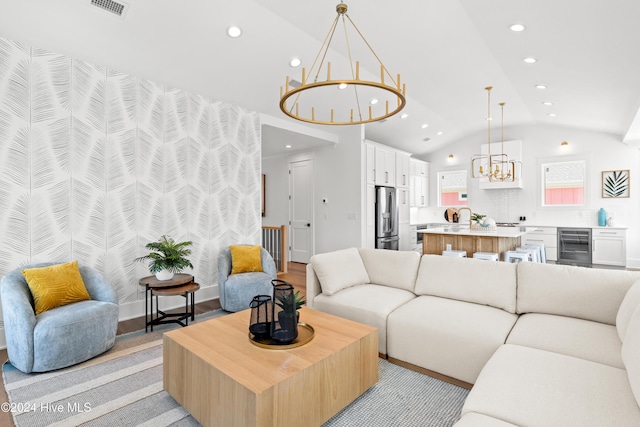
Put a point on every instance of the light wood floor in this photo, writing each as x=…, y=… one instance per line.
x=296, y=276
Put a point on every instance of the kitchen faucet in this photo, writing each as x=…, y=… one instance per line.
x=470, y=215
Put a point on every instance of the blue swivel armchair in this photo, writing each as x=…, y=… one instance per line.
x=62, y=336
x=237, y=290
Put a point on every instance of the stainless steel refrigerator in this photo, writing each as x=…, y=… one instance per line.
x=386, y=218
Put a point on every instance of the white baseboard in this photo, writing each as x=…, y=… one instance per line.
x=633, y=263
x=132, y=310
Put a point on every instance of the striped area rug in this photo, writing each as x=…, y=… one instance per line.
x=123, y=387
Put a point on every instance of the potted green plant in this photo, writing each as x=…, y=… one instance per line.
x=167, y=257
x=300, y=301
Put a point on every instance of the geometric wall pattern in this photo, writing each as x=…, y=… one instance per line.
x=94, y=164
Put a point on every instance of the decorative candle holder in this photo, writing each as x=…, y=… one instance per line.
x=261, y=315
x=284, y=321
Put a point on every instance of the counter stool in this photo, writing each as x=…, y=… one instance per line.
x=454, y=253
x=488, y=256
x=533, y=252
x=542, y=252
x=515, y=257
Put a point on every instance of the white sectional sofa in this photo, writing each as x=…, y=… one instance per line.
x=542, y=345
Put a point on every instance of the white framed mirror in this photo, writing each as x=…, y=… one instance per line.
x=452, y=188
x=563, y=183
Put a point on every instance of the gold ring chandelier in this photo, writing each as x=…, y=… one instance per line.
x=352, y=101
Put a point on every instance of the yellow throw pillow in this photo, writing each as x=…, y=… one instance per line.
x=245, y=259
x=56, y=285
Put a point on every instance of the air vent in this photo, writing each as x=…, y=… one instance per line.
x=115, y=7
x=427, y=139
x=294, y=83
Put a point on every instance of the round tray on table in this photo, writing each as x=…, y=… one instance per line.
x=305, y=334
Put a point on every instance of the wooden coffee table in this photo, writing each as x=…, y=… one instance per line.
x=215, y=372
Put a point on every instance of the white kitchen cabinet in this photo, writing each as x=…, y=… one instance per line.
x=609, y=246
x=404, y=224
x=546, y=235
x=419, y=183
x=402, y=170
x=385, y=173
x=370, y=161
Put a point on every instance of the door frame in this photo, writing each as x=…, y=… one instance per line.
x=312, y=241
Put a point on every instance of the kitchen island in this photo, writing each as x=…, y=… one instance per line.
x=462, y=238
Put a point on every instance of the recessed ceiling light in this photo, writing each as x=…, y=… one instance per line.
x=548, y=103
x=342, y=86
x=373, y=101
x=551, y=114
x=287, y=146
x=541, y=87
x=424, y=126
x=530, y=60
x=517, y=28
x=295, y=62
x=440, y=133
x=404, y=116
x=234, y=31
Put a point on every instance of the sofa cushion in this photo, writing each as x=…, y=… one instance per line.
x=398, y=269
x=468, y=279
x=55, y=285
x=340, y=269
x=368, y=304
x=530, y=387
x=473, y=419
x=629, y=304
x=585, y=339
x=631, y=353
x=585, y=293
x=451, y=337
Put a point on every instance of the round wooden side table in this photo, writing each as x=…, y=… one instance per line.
x=180, y=284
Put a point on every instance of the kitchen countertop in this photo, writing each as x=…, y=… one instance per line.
x=465, y=231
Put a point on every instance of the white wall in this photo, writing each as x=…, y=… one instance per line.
x=337, y=178
x=603, y=151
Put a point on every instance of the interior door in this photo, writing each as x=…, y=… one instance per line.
x=301, y=210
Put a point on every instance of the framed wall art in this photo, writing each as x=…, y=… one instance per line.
x=615, y=184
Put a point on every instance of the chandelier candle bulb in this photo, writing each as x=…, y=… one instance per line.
x=386, y=107
x=382, y=74
x=370, y=112
x=313, y=113
x=332, y=115
x=357, y=70
x=328, y=71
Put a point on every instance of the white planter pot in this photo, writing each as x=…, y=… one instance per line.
x=164, y=275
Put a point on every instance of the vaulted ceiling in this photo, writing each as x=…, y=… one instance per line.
x=446, y=51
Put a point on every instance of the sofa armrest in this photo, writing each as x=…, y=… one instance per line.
x=313, y=285
x=98, y=287
x=19, y=319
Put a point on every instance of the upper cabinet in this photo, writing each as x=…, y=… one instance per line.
x=385, y=161
x=419, y=183
x=402, y=170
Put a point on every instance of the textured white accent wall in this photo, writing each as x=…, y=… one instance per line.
x=94, y=164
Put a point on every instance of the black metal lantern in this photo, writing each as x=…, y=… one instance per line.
x=261, y=312
x=284, y=325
